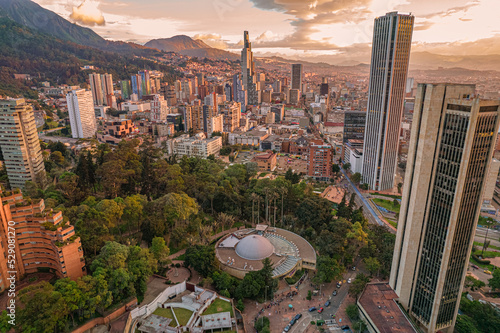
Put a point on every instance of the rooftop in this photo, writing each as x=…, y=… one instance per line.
x=378, y=302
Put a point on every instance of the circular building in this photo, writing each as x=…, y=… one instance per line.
x=243, y=251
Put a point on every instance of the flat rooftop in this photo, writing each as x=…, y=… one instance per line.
x=378, y=303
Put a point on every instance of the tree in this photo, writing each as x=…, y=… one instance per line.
x=346, y=166
x=160, y=251
x=57, y=158
x=335, y=168
x=365, y=186
x=473, y=283
x=372, y=265
x=485, y=246
x=328, y=269
x=352, y=311
x=201, y=258
x=356, y=178
x=494, y=282
x=358, y=285
x=240, y=306
x=400, y=186
x=465, y=324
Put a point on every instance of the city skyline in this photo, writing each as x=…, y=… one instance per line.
x=319, y=30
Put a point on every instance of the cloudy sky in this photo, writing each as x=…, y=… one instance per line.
x=302, y=28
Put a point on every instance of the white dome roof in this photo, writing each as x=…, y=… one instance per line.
x=254, y=247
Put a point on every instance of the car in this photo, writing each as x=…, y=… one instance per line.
x=320, y=310
x=334, y=293
x=353, y=268
x=345, y=328
x=287, y=328
x=328, y=303
x=475, y=266
x=298, y=316
x=487, y=271
x=339, y=284
x=292, y=322
x=349, y=281
x=312, y=309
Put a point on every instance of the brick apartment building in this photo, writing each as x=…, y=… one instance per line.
x=319, y=163
x=266, y=162
x=43, y=240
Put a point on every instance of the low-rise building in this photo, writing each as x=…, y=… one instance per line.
x=197, y=145
x=251, y=138
x=117, y=130
x=266, y=162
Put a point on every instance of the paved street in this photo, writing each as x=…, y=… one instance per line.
x=493, y=236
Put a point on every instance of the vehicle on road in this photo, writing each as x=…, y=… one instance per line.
x=353, y=268
x=312, y=309
x=292, y=322
x=339, y=284
x=345, y=328
x=475, y=266
x=320, y=310
x=287, y=328
x=487, y=271
x=334, y=293
x=298, y=316
x=349, y=281
x=328, y=303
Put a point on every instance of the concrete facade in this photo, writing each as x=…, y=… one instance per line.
x=451, y=146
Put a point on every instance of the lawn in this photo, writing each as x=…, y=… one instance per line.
x=183, y=315
x=387, y=204
x=393, y=223
x=489, y=267
x=167, y=313
x=388, y=195
x=219, y=306
x=487, y=254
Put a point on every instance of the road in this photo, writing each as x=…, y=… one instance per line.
x=493, y=236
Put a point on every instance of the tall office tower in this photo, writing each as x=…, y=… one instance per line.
x=81, y=114
x=136, y=85
x=197, y=117
x=146, y=83
x=319, y=162
x=201, y=79
x=450, y=151
x=207, y=113
x=389, y=67
x=324, y=88
x=232, y=116
x=228, y=91
x=297, y=76
x=19, y=143
x=107, y=87
x=187, y=117
x=248, y=71
x=125, y=88
x=96, y=88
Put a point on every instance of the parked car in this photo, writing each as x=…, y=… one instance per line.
x=339, y=284
x=287, y=328
x=327, y=303
x=320, y=310
x=334, y=293
x=298, y=316
x=312, y=309
x=345, y=328
x=475, y=266
x=292, y=322
x=349, y=280
x=487, y=271
x=353, y=268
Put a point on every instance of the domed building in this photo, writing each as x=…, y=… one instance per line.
x=244, y=250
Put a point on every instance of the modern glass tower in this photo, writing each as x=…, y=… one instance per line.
x=388, y=71
x=297, y=76
x=451, y=147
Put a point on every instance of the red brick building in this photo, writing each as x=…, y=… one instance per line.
x=319, y=163
x=43, y=240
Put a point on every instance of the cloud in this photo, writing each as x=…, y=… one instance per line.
x=213, y=40
x=423, y=25
x=307, y=16
x=88, y=14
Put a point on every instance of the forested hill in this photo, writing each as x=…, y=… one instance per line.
x=25, y=51
x=33, y=16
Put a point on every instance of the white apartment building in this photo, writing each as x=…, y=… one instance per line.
x=196, y=146
x=81, y=113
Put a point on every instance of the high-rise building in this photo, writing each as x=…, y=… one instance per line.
x=96, y=88
x=159, y=109
x=136, y=81
x=248, y=71
x=297, y=76
x=81, y=113
x=19, y=143
x=319, y=162
x=146, y=83
x=125, y=88
x=354, y=125
x=232, y=115
x=388, y=71
x=451, y=148
x=107, y=87
x=43, y=240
